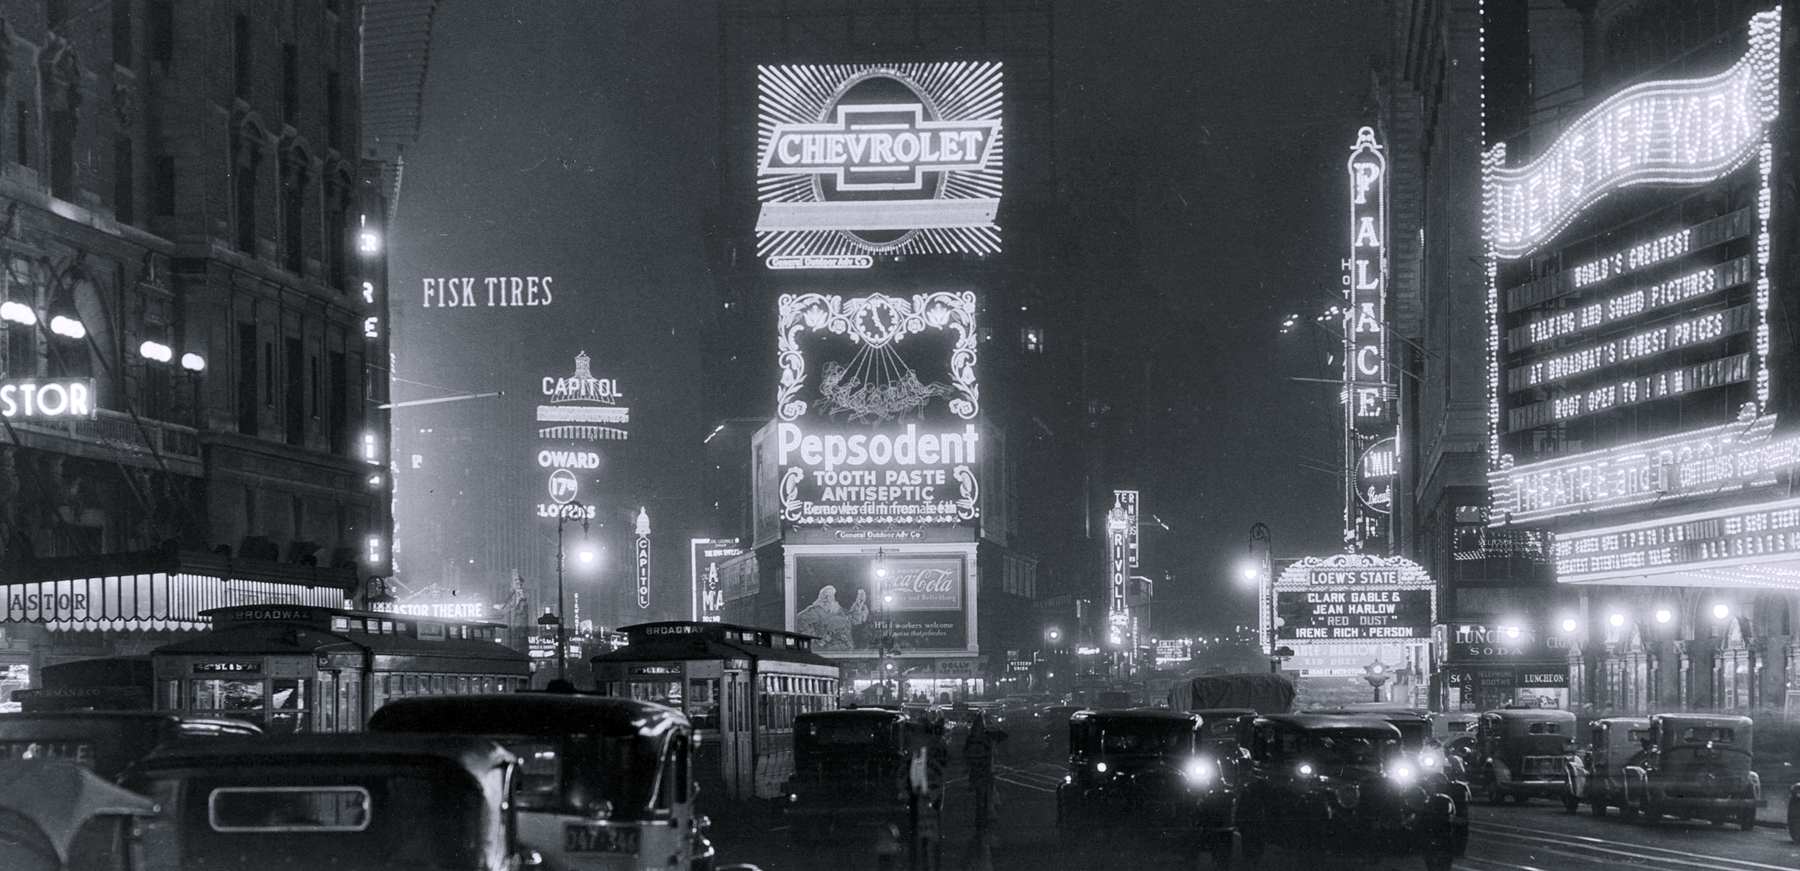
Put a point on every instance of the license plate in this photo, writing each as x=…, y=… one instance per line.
x=1543, y=765
x=578, y=838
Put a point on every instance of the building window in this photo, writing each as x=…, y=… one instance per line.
x=246, y=379
x=1031, y=340
x=165, y=185
x=337, y=259
x=268, y=373
x=162, y=31
x=296, y=392
x=290, y=83
x=240, y=47
x=243, y=190
x=124, y=182
x=22, y=128
x=338, y=427
x=334, y=125
x=62, y=155
x=314, y=385
x=121, y=33
x=293, y=211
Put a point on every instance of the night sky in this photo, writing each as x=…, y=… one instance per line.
x=577, y=140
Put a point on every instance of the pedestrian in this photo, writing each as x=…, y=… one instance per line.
x=978, y=755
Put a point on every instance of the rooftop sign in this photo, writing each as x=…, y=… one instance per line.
x=856, y=160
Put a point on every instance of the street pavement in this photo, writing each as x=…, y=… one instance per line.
x=1539, y=836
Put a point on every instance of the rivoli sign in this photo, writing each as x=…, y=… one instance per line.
x=858, y=160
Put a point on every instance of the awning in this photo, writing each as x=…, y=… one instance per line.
x=160, y=590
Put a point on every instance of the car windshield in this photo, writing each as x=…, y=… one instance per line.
x=1336, y=749
x=844, y=733
x=1145, y=739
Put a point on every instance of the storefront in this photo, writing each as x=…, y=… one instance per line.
x=1493, y=665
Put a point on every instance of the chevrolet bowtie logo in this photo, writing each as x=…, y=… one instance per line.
x=879, y=147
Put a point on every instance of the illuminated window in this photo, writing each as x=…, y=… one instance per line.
x=1031, y=340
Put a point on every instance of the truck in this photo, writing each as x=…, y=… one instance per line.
x=1264, y=693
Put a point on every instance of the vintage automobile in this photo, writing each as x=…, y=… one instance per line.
x=605, y=782
x=105, y=741
x=852, y=771
x=61, y=816
x=1520, y=753
x=1145, y=771
x=1596, y=776
x=1438, y=771
x=1696, y=766
x=1053, y=726
x=345, y=802
x=1341, y=784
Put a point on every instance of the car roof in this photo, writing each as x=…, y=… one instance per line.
x=1707, y=719
x=527, y=713
x=1145, y=715
x=1530, y=714
x=855, y=714
x=1360, y=724
x=359, y=748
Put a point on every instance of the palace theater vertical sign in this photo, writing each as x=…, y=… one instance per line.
x=1367, y=414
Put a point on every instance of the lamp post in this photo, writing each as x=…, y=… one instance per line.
x=1376, y=673
x=562, y=626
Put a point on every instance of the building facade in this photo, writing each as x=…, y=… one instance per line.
x=1600, y=422
x=192, y=237
x=1027, y=518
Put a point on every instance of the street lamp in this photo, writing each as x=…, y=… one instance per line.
x=1376, y=673
x=562, y=626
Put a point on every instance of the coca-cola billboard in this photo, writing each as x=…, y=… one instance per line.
x=921, y=585
x=850, y=603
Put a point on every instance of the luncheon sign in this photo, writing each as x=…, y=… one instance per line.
x=859, y=160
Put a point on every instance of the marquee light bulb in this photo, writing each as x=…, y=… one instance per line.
x=1721, y=611
x=68, y=327
x=1663, y=615
x=1568, y=624
x=157, y=351
x=193, y=362
x=18, y=313
x=1616, y=620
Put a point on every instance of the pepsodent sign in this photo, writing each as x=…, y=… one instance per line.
x=879, y=449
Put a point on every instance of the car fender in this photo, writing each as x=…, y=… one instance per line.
x=1498, y=772
x=1756, y=786
x=1575, y=777
x=1636, y=784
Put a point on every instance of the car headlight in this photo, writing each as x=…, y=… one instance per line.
x=1430, y=761
x=1100, y=767
x=1402, y=774
x=1198, y=771
x=1305, y=770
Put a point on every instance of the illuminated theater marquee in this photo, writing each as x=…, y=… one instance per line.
x=856, y=160
x=1665, y=132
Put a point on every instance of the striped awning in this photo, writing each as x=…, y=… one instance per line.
x=157, y=590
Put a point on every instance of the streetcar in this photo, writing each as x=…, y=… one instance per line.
x=299, y=668
x=740, y=686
